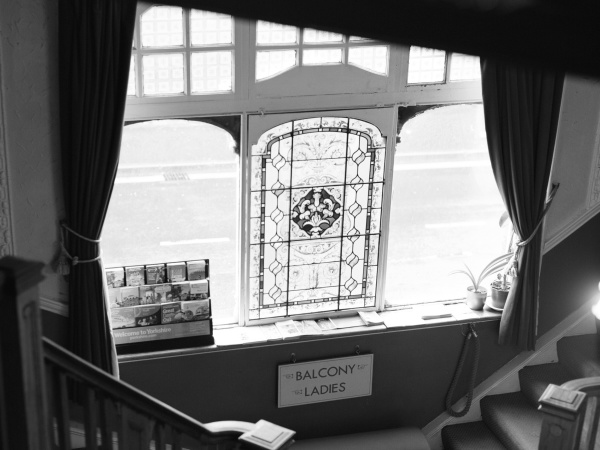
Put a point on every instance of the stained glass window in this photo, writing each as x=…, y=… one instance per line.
x=316, y=196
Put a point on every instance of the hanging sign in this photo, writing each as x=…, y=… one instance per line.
x=325, y=380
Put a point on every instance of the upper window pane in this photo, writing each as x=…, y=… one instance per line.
x=274, y=62
x=464, y=67
x=275, y=33
x=162, y=26
x=320, y=56
x=209, y=28
x=426, y=65
x=312, y=36
x=212, y=72
x=374, y=59
x=163, y=74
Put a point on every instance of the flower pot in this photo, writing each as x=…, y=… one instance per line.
x=499, y=296
x=476, y=299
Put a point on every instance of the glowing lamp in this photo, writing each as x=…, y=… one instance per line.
x=596, y=307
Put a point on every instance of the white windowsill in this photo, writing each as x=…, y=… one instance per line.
x=395, y=321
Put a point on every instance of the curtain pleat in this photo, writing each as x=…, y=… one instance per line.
x=95, y=39
x=521, y=107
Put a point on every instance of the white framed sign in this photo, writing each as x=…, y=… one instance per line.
x=325, y=380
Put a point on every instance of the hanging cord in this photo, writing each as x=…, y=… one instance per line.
x=459, y=367
x=63, y=267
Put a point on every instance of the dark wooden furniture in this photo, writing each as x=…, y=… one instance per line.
x=571, y=415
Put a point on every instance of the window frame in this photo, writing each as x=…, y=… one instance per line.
x=244, y=102
x=391, y=114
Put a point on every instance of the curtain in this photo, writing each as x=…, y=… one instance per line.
x=521, y=107
x=95, y=38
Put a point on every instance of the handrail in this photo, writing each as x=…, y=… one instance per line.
x=50, y=398
x=582, y=384
x=571, y=415
x=126, y=393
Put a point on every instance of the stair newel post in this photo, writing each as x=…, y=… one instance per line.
x=23, y=404
x=563, y=418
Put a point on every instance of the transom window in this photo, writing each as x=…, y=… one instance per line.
x=281, y=47
x=180, y=51
x=428, y=65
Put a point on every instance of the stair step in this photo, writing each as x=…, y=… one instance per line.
x=470, y=436
x=535, y=379
x=513, y=420
x=580, y=354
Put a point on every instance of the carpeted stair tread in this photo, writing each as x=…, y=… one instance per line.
x=580, y=355
x=535, y=379
x=513, y=420
x=470, y=436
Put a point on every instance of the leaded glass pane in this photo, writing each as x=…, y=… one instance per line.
x=212, y=72
x=312, y=36
x=209, y=28
x=464, y=67
x=374, y=59
x=426, y=65
x=162, y=26
x=315, y=240
x=163, y=74
x=315, y=57
x=273, y=62
x=275, y=33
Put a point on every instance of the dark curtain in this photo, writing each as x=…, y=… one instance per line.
x=521, y=107
x=95, y=50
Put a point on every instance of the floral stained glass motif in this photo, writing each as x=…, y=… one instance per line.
x=316, y=195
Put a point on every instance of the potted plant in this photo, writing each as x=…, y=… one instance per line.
x=476, y=293
x=501, y=286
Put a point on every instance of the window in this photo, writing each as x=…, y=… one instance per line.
x=295, y=210
x=315, y=221
x=428, y=65
x=281, y=47
x=445, y=208
x=176, y=199
x=178, y=51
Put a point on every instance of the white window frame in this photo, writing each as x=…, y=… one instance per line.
x=244, y=101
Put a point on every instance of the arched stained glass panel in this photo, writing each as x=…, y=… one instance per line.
x=317, y=187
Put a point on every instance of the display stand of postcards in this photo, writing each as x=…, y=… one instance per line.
x=160, y=306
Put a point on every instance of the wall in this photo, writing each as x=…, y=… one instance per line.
x=576, y=158
x=570, y=275
x=411, y=374
x=29, y=51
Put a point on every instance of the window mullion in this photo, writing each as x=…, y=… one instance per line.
x=386, y=205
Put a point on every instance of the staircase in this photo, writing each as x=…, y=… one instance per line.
x=512, y=421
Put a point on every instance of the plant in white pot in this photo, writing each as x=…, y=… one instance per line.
x=501, y=287
x=476, y=293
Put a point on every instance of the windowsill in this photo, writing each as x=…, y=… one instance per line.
x=395, y=321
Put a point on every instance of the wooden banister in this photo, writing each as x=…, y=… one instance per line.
x=49, y=395
x=136, y=399
x=571, y=415
x=22, y=390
